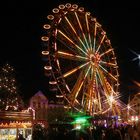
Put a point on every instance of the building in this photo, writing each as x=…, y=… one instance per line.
x=39, y=103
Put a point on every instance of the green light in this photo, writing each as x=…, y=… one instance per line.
x=81, y=120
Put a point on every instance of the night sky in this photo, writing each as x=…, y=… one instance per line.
x=21, y=30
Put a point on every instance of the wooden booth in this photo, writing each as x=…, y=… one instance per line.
x=13, y=124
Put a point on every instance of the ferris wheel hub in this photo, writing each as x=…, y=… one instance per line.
x=91, y=57
x=94, y=58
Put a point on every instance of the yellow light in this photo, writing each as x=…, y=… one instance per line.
x=47, y=67
x=50, y=17
x=111, y=99
x=132, y=118
x=44, y=38
x=46, y=26
x=95, y=101
x=59, y=96
x=136, y=118
x=128, y=107
x=55, y=10
x=78, y=126
x=45, y=52
x=75, y=6
x=52, y=82
x=68, y=5
x=81, y=9
x=61, y=6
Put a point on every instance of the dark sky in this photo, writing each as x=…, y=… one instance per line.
x=21, y=30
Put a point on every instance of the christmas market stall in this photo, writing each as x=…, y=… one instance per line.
x=15, y=124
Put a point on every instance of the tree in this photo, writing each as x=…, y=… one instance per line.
x=9, y=97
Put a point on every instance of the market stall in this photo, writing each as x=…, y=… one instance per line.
x=13, y=124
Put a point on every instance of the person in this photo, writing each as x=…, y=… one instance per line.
x=135, y=133
x=123, y=131
x=29, y=137
x=20, y=137
x=130, y=131
x=117, y=134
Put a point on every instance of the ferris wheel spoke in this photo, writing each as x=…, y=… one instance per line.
x=101, y=41
x=70, y=56
x=71, y=42
x=108, y=63
x=81, y=29
x=108, y=51
x=113, y=77
x=103, y=81
x=78, y=85
x=114, y=93
x=91, y=94
x=72, y=71
x=94, y=40
x=87, y=23
x=92, y=74
x=70, y=48
x=98, y=97
x=100, y=82
x=76, y=34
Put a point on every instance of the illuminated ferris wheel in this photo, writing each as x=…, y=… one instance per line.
x=80, y=60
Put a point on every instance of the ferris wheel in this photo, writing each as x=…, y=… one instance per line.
x=80, y=60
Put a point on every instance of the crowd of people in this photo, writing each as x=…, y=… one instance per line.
x=97, y=132
x=122, y=132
